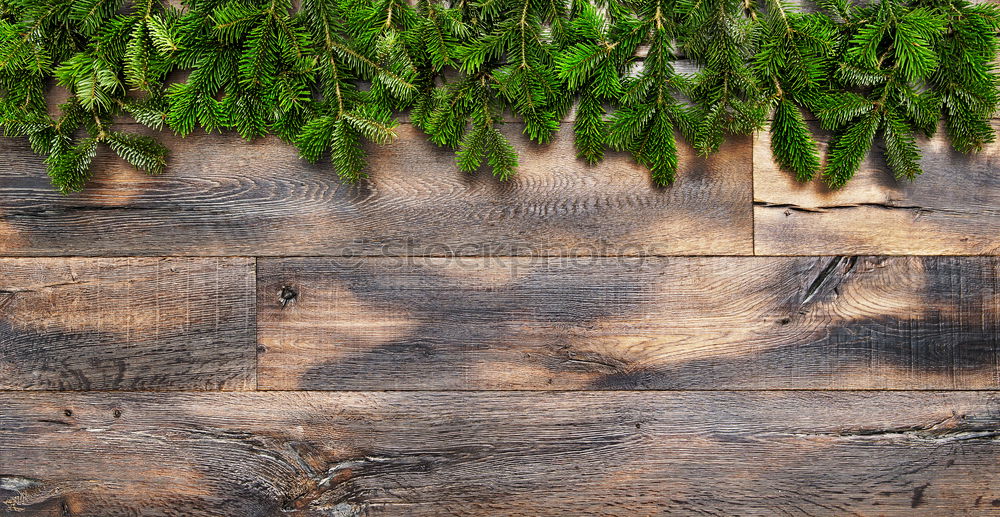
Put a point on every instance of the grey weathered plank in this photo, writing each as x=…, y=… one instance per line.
x=952, y=209
x=223, y=196
x=493, y=453
x=629, y=323
x=108, y=324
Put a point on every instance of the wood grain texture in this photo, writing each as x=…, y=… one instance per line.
x=952, y=209
x=497, y=454
x=111, y=324
x=223, y=196
x=629, y=323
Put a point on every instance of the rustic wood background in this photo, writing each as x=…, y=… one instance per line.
x=247, y=336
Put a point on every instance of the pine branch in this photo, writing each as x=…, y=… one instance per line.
x=900, y=147
x=792, y=143
x=792, y=64
x=330, y=75
x=966, y=78
x=649, y=111
x=506, y=62
x=597, y=56
x=343, y=116
x=716, y=34
x=889, y=54
x=70, y=168
x=142, y=152
x=850, y=148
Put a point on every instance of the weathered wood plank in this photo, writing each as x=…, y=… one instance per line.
x=223, y=196
x=427, y=453
x=629, y=323
x=952, y=209
x=109, y=324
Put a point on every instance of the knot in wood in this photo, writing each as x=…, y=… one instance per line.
x=286, y=294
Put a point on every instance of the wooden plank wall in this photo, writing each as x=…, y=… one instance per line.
x=247, y=336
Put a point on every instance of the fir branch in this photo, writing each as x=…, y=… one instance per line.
x=792, y=143
x=965, y=81
x=716, y=34
x=329, y=76
x=888, y=56
x=142, y=152
x=850, y=148
x=649, y=110
x=791, y=65
x=69, y=168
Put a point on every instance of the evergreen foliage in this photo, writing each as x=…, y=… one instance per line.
x=331, y=76
x=647, y=110
x=96, y=49
x=792, y=65
x=716, y=34
x=884, y=61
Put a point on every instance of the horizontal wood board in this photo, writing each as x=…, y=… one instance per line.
x=231, y=197
x=224, y=196
x=953, y=208
x=629, y=323
x=428, y=453
x=127, y=323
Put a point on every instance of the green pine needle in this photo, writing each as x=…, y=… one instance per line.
x=142, y=152
x=900, y=147
x=850, y=148
x=69, y=168
x=792, y=143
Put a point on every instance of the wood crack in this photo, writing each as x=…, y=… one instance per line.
x=919, y=434
x=887, y=205
x=67, y=209
x=944, y=431
x=789, y=206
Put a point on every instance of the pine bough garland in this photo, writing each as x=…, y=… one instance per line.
x=328, y=76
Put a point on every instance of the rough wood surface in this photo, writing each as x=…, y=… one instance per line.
x=952, y=209
x=361, y=295
x=495, y=454
x=223, y=196
x=629, y=323
x=109, y=324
